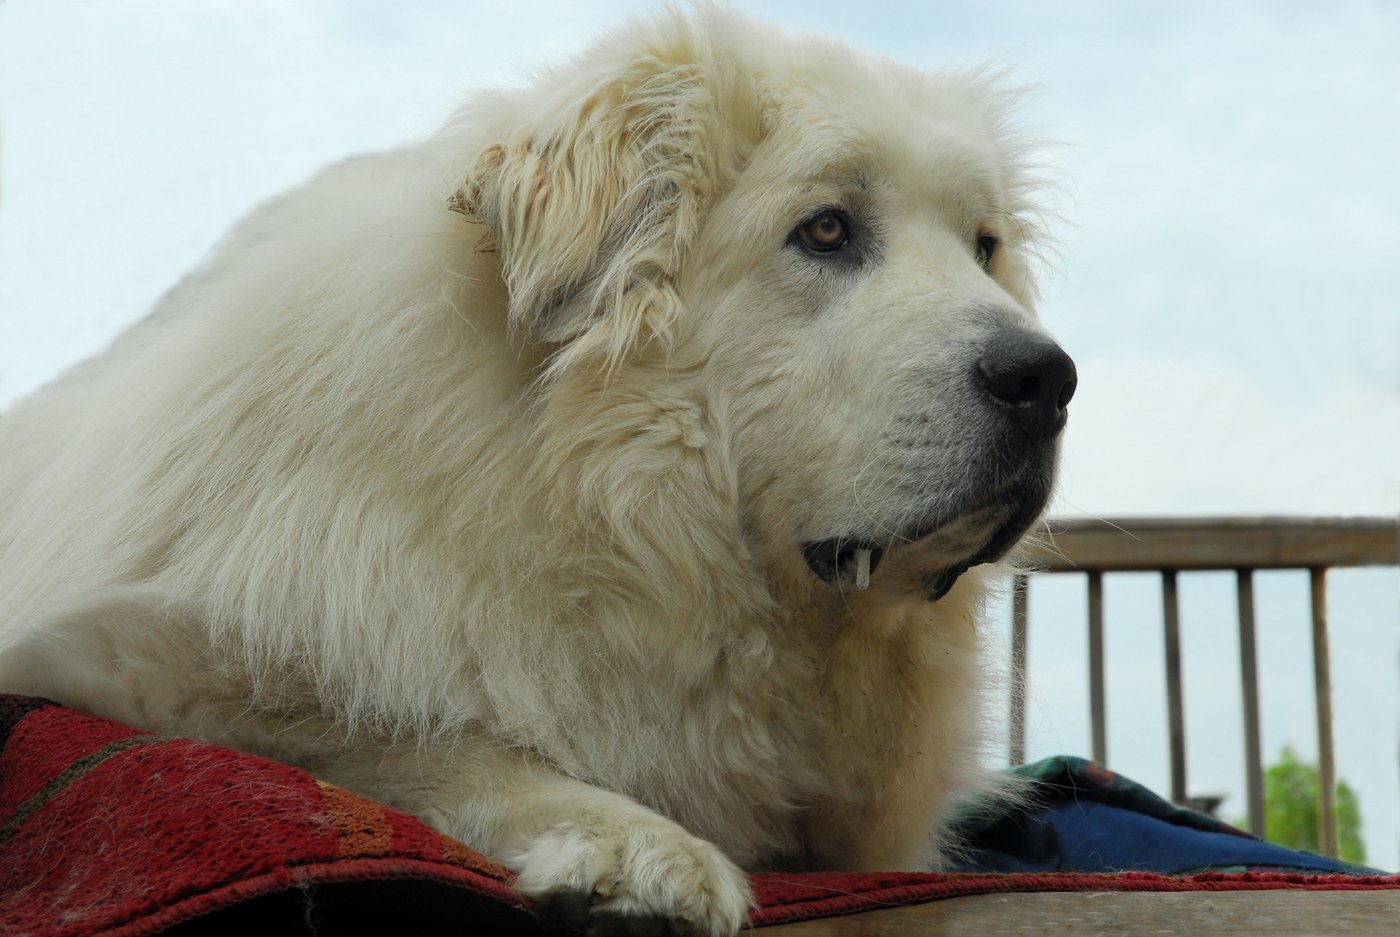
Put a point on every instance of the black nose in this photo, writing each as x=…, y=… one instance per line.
x=1031, y=378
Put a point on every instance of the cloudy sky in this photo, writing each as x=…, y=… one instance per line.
x=1226, y=273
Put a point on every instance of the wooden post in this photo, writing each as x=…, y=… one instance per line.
x=1322, y=679
x=1018, y=668
x=1176, y=720
x=1097, y=709
x=1249, y=684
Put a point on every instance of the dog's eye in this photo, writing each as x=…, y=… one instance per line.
x=986, y=246
x=825, y=233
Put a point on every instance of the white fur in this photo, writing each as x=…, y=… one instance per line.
x=471, y=475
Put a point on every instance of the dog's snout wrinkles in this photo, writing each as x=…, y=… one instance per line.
x=1031, y=378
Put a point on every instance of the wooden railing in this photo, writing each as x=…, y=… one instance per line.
x=1173, y=545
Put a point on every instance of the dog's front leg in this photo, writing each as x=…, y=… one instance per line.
x=596, y=860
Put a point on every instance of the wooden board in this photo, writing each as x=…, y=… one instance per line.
x=1123, y=914
x=1152, y=543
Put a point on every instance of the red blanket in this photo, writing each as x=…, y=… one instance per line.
x=104, y=829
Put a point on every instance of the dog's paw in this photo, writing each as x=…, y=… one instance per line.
x=623, y=876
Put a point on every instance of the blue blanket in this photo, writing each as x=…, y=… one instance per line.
x=1083, y=818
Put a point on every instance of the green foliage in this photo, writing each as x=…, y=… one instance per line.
x=1290, y=809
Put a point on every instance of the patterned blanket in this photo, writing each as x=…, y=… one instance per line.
x=108, y=830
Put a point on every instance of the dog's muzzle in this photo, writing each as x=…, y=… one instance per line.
x=1028, y=381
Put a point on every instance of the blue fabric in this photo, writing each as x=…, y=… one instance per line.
x=1083, y=818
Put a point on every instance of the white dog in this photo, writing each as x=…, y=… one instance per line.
x=603, y=479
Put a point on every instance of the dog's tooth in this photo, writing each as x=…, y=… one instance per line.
x=862, y=569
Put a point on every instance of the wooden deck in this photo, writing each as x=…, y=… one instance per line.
x=1135, y=914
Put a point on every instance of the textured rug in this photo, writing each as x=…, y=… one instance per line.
x=108, y=830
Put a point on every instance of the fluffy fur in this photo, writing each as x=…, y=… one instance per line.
x=475, y=475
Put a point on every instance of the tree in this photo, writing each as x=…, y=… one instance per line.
x=1290, y=809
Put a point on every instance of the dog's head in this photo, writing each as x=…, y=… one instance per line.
x=824, y=254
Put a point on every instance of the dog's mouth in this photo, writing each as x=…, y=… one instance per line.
x=931, y=556
x=844, y=562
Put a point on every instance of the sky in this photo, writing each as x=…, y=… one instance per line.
x=1225, y=271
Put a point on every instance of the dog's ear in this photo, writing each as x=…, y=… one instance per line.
x=593, y=194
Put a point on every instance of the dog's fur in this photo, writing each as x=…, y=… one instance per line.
x=475, y=475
